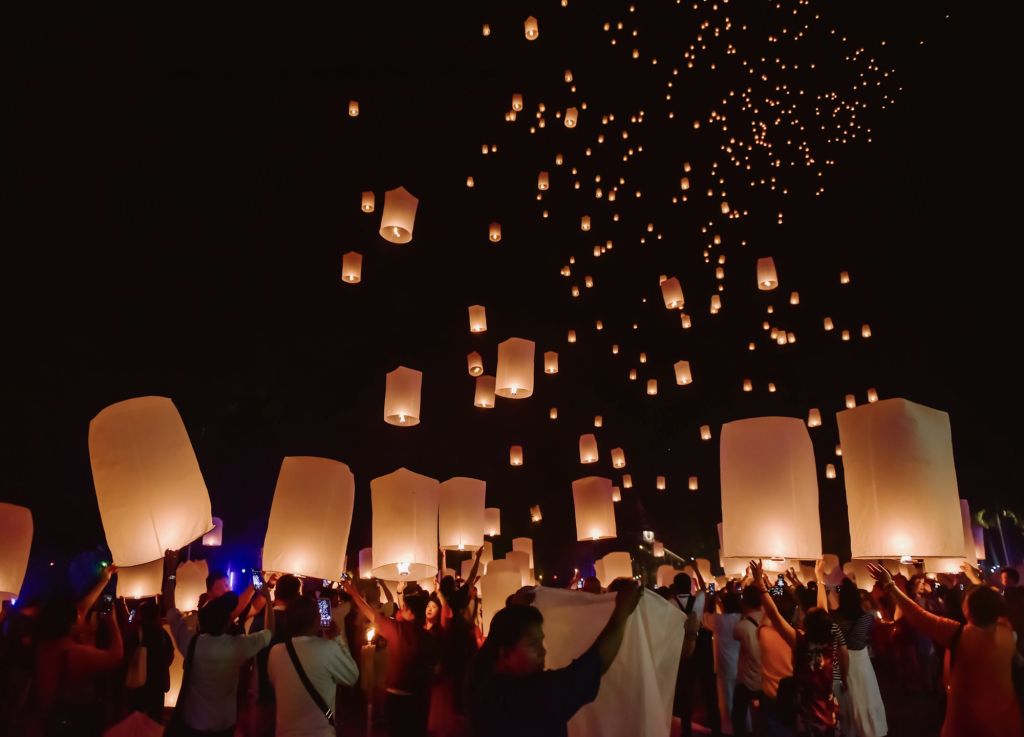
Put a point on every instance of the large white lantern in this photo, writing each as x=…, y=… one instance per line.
x=501, y=580
x=766, y=277
x=215, y=537
x=399, y=216
x=767, y=463
x=492, y=521
x=190, y=584
x=405, y=508
x=525, y=545
x=298, y=542
x=588, y=448
x=149, y=488
x=477, y=319
x=16, y=533
x=514, y=378
x=616, y=565
x=595, y=510
x=484, y=395
x=965, y=519
x=672, y=293
x=901, y=490
x=141, y=582
x=461, y=513
x=402, y=397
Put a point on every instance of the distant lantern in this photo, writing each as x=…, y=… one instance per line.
x=598, y=420
x=492, y=521
x=470, y=182
x=487, y=29
x=672, y=293
x=535, y=515
x=352, y=267
x=515, y=369
x=658, y=549
x=659, y=483
x=477, y=319
x=872, y=395
x=402, y=397
x=627, y=481
x=215, y=537
x=748, y=385
x=475, y=364
x=517, y=102
x=615, y=349
x=844, y=277
x=588, y=448
x=618, y=458
x=149, y=489
x=692, y=483
x=530, y=29
x=595, y=510
x=368, y=202
x=138, y=582
x=542, y=181
x=570, y=117
x=814, y=417
x=571, y=336
x=865, y=331
x=615, y=566
x=632, y=374
x=719, y=272
x=705, y=432
x=716, y=304
x=461, y=520
x=550, y=362
x=190, y=584
x=399, y=215
x=643, y=357
x=845, y=335
x=830, y=471
x=901, y=487
x=768, y=463
x=515, y=455
x=839, y=449
x=16, y=532
x=616, y=494
x=683, y=375
x=850, y=401
x=725, y=207
x=588, y=282
x=301, y=544
x=353, y=108
x=828, y=324
x=405, y=514
x=766, y=276
x=652, y=387
x=494, y=232
x=794, y=298
x=484, y=396
x=771, y=387
x=585, y=222
x=684, y=183
x=553, y=413
x=502, y=579
x=685, y=321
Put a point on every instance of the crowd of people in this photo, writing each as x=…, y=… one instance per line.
x=295, y=657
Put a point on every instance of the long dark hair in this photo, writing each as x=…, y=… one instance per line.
x=850, y=607
x=507, y=628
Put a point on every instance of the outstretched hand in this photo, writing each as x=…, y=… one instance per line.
x=880, y=574
x=757, y=571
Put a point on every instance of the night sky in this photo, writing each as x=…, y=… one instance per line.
x=178, y=191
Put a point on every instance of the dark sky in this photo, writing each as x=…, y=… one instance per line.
x=178, y=191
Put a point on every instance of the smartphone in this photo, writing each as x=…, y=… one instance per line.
x=325, y=612
x=257, y=580
x=131, y=615
x=346, y=576
x=711, y=587
x=780, y=586
x=108, y=604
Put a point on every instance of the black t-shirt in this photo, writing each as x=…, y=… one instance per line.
x=534, y=706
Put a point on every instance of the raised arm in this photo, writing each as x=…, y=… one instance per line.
x=610, y=639
x=768, y=604
x=701, y=586
x=170, y=577
x=972, y=573
x=90, y=597
x=475, y=570
x=361, y=604
x=819, y=576
x=939, y=629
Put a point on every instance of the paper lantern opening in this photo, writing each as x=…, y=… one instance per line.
x=474, y=364
x=405, y=517
x=368, y=202
x=402, y=397
x=767, y=278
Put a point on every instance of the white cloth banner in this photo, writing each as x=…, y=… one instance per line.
x=637, y=691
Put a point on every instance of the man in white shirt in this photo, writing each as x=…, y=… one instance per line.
x=748, y=672
x=326, y=663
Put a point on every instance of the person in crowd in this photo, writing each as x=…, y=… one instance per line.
x=148, y=633
x=861, y=711
x=432, y=616
x=218, y=584
x=981, y=701
x=721, y=623
x=410, y=660
x=1009, y=578
x=324, y=660
x=748, y=669
x=207, y=702
x=510, y=694
x=696, y=664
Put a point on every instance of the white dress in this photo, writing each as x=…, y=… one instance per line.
x=861, y=710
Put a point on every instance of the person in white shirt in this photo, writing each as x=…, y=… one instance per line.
x=748, y=671
x=326, y=661
x=721, y=622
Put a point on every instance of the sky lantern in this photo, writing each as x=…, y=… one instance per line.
x=542, y=181
x=487, y=29
x=524, y=545
x=585, y=222
x=672, y=293
x=521, y=559
x=850, y=401
x=139, y=582
x=705, y=432
x=844, y=335
x=366, y=563
x=844, y=277
x=515, y=455
x=588, y=448
x=149, y=489
x=405, y=514
x=553, y=413
x=530, y=29
x=684, y=183
x=767, y=279
x=616, y=494
x=768, y=463
x=16, y=533
x=501, y=580
x=399, y=215
x=367, y=202
x=352, y=267
x=303, y=544
x=215, y=537
x=570, y=117
x=550, y=362
x=190, y=584
x=794, y=298
x=828, y=324
x=595, y=510
x=658, y=549
x=402, y=397
x=693, y=483
x=901, y=489
x=632, y=374
x=461, y=519
x=615, y=565
x=652, y=387
x=716, y=304
x=571, y=336
x=535, y=515
x=814, y=417
x=830, y=471
x=492, y=521
x=514, y=378
x=748, y=385
x=598, y=421
x=484, y=395
x=494, y=232
x=353, y=108
x=618, y=458
x=517, y=102
x=685, y=321
x=872, y=395
x=477, y=319
x=474, y=364
x=659, y=483
x=865, y=331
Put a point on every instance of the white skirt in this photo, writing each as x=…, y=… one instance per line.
x=861, y=711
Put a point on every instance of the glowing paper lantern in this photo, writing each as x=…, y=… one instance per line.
x=814, y=418
x=616, y=565
x=844, y=277
x=627, y=481
x=683, y=375
x=176, y=673
x=405, y=506
x=515, y=455
x=477, y=319
x=140, y=582
x=616, y=494
x=461, y=516
x=492, y=521
x=484, y=396
x=767, y=279
x=368, y=202
x=794, y=298
x=535, y=515
x=850, y=401
x=553, y=413
x=521, y=559
x=829, y=325
x=672, y=293
x=865, y=331
x=598, y=421
x=705, y=432
x=588, y=448
x=550, y=362
x=494, y=232
x=872, y=395
x=352, y=267
x=399, y=216
x=618, y=458
x=366, y=563
x=515, y=369
x=716, y=304
x=658, y=549
x=830, y=471
x=659, y=483
x=474, y=364
x=665, y=574
x=190, y=584
x=530, y=28
x=693, y=483
x=149, y=489
x=570, y=118
x=215, y=537
x=595, y=510
x=353, y=108
x=979, y=542
x=16, y=533
x=768, y=463
x=901, y=488
x=748, y=385
x=585, y=222
x=402, y=397
x=632, y=374
x=942, y=565
x=517, y=102
x=542, y=180
x=501, y=580
x=524, y=545
x=652, y=387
